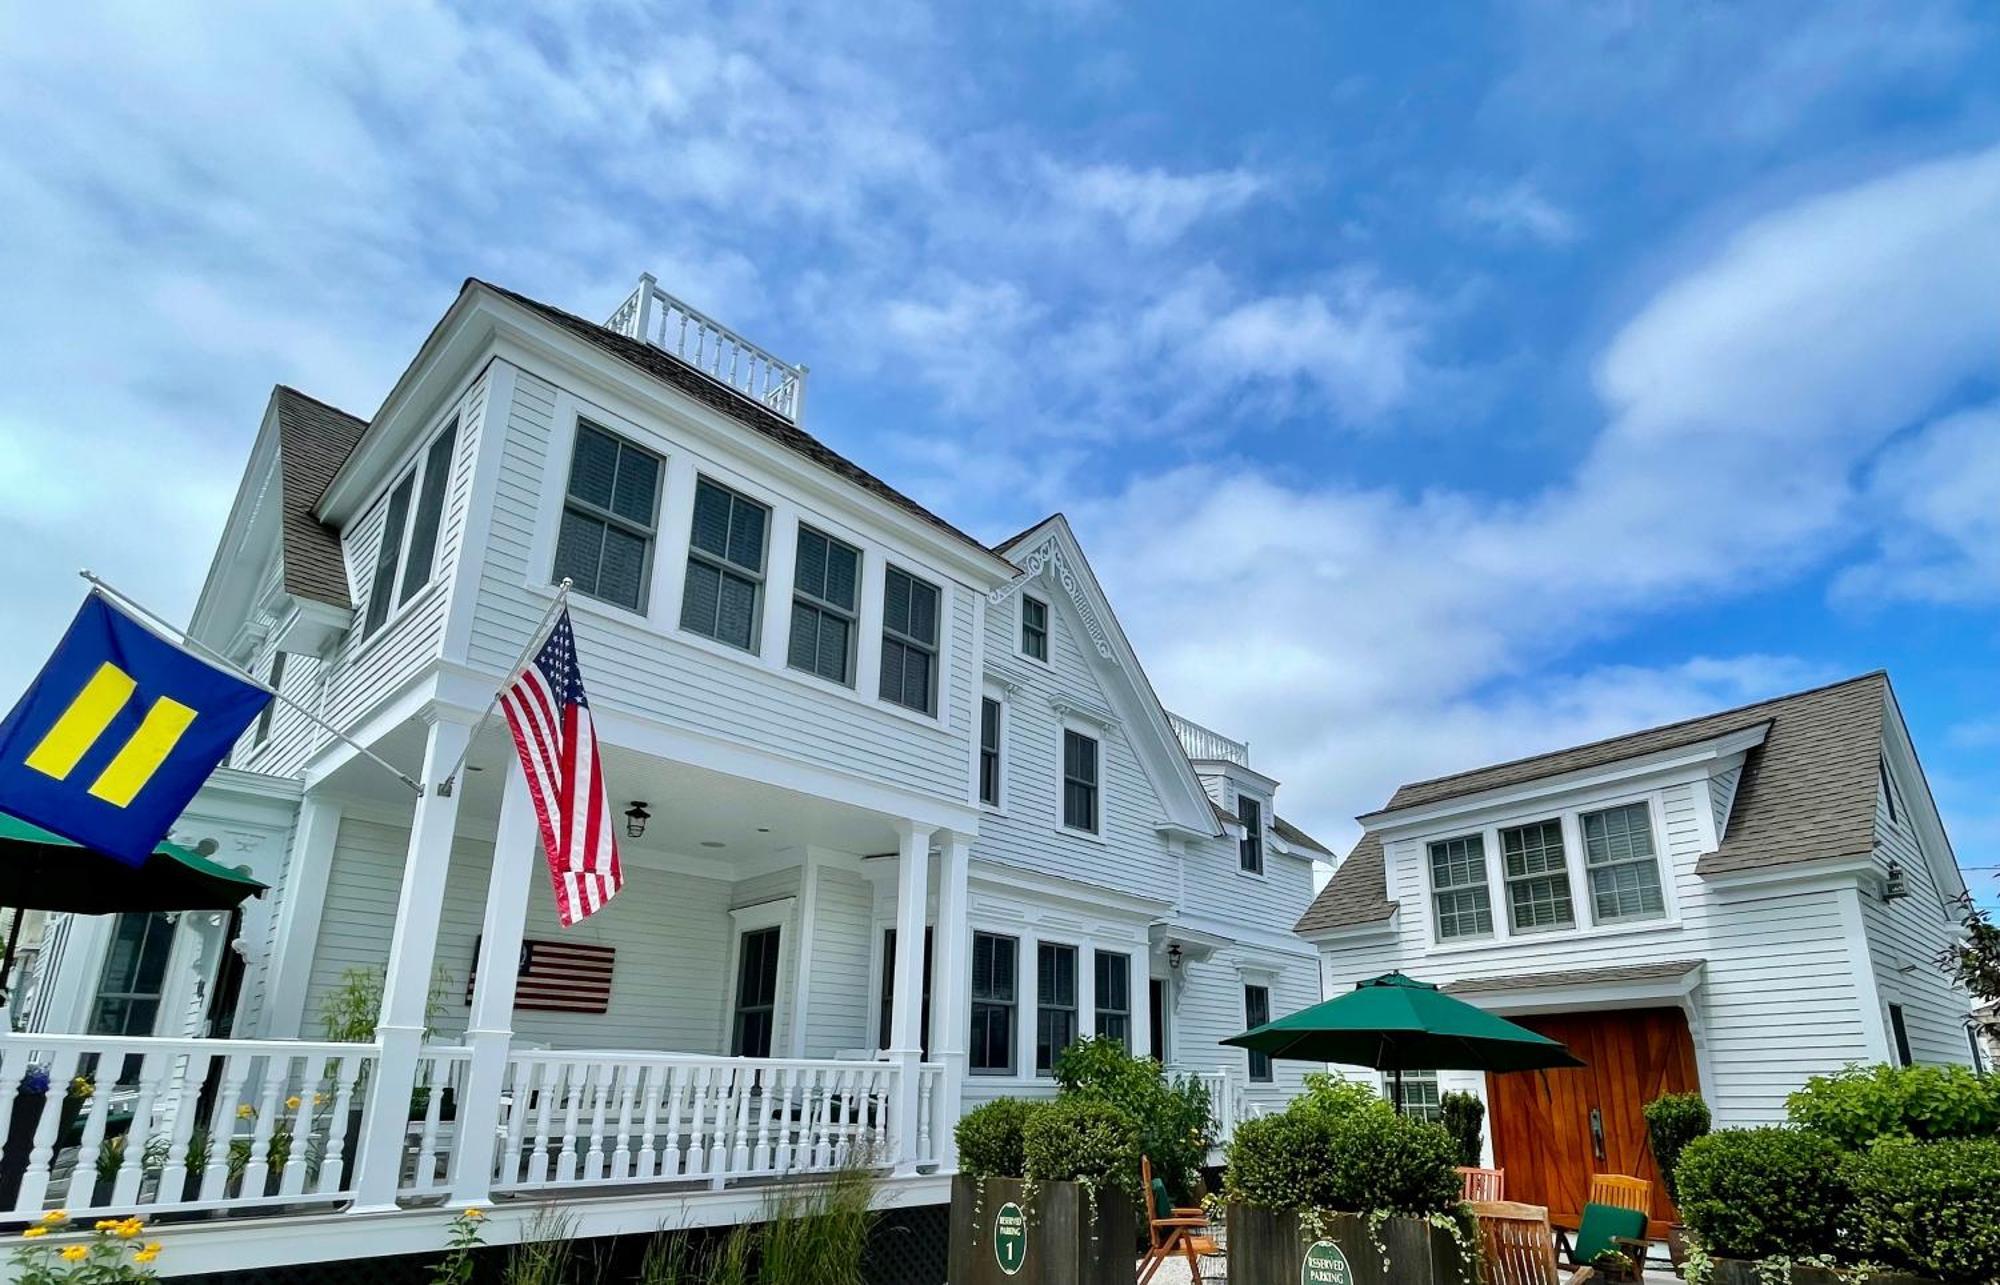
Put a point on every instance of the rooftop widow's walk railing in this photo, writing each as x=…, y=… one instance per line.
x=651, y=315
x=1203, y=743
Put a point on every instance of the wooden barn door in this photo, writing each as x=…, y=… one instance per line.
x=1552, y=1130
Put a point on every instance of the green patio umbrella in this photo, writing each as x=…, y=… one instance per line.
x=1395, y=1023
x=44, y=871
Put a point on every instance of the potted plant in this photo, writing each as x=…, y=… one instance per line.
x=1673, y=1121
x=1615, y=1267
x=1045, y=1194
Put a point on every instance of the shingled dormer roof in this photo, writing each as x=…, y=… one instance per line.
x=1807, y=792
x=314, y=440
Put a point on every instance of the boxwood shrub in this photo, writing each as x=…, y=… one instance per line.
x=1172, y=1115
x=1860, y=1104
x=1672, y=1121
x=1083, y=1140
x=1754, y=1193
x=989, y=1138
x=1932, y=1208
x=1358, y=1161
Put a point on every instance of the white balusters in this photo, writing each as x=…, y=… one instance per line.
x=597, y=1077
x=621, y=1150
x=649, y=1157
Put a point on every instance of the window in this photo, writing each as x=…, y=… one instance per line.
x=610, y=508
x=1079, y=809
x=1034, y=627
x=725, y=567
x=421, y=558
x=1537, y=877
x=888, y=1022
x=1624, y=875
x=823, y=592
x=1250, y=848
x=1055, y=1003
x=135, y=972
x=1901, y=1033
x=989, y=751
x=1420, y=1094
x=1978, y=1052
x=756, y=993
x=1114, y=997
x=909, y=641
x=1256, y=1012
x=382, y=588
x=277, y=682
x=1888, y=791
x=993, y=962
x=1458, y=887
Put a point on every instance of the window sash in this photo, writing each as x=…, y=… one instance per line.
x=388, y=554
x=723, y=593
x=1537, y=874
x=909, y=641
x=756, y=993
x=1055, y=1003
x=994, y=997
x=420, y=561
x=595, y=537
x=1421, y=1099
x=1114, y=997
x=823, y=617
x=1623, y=863
x=1080, y=764
x=989, y=751
x=1458, y=887
x=1250, y=850
x=265, y=715
x=1256, y=1012
x=1034, y=627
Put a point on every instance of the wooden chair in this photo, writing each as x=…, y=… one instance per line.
x=1516, y=1245
x=1616, y=1197
x=1172, y=1231
x=1483, y=1184
x=1621, y=1191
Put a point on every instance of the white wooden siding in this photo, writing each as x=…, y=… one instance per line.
x=1722, y=789
x=837, y=979
x=1904, y=938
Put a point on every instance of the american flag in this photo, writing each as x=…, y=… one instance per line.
x=557, y=742
x=557, y=977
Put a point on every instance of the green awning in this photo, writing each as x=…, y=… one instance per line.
x=44, y=871
x=1394, y=1023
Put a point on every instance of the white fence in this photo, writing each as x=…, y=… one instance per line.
x=653, y=316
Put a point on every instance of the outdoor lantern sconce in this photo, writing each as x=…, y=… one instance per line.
x=1895, y=886
x=636, y=817
x=1174, y=957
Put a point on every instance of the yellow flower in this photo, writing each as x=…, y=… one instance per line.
x=148, y=1254
x=33, y=1232
x=292, y=1103
x=319, y=1099
x=106, y=1224
x=76, y=1253
x=128, y=1229
x=54, y=1217
x=246, y=1112
x=473, y=1213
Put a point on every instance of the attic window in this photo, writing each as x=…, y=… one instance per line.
x=407, y=555
x=1888, y=790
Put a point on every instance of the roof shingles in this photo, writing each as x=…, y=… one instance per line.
x=314, y=440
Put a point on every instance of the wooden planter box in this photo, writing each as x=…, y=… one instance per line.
x=1736, y=1271
x=1001, y=1237
x=1268, y=1248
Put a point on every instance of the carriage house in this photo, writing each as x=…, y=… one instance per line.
x=902, y=818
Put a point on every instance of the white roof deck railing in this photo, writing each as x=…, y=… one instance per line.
x=653, y=316
x=1202, y=743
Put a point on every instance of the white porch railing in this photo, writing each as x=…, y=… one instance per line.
x=1225, y=1103
x=653, y=316
x=1203, y=743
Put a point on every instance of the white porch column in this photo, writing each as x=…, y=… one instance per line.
x=301, y=901
x=490, y=1026
x=406, y=990
x=951, y=987
x=913, y=861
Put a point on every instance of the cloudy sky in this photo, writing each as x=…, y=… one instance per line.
x=1427, y=388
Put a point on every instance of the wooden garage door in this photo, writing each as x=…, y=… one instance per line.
x=1541, y=1122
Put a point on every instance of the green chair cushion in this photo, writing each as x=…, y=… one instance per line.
x=1162, y=1206
x=1603, y=1226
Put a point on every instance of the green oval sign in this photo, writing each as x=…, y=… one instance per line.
x=1325, y=1265
x=1010, y=1238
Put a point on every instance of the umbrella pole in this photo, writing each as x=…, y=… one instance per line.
x=7, y=964
x=1399, y=1090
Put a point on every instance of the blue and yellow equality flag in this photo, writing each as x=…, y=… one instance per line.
x=117, y=733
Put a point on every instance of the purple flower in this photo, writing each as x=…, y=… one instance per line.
x=36, y=1082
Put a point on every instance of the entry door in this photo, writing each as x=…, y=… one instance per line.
x=1552, y=1130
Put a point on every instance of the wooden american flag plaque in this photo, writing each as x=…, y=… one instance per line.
x=557, y=977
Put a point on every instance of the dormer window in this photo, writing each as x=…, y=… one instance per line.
x=909, y=641
x=1623, y=863
x=407, y=555
x=1458, y=888
x=605, y=545
x=1250, y=848
x=725, y=569
x=1538, y=894
x=1034, y=628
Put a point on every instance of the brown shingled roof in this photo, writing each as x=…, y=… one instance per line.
x=314, y=440
x=1807, y=793
x=1666, y=970
x=1298, y=838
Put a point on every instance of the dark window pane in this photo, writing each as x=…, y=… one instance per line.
x=637, y=490
x=923, y=613
x=593, y=469
x=621, y=578
x=1256, y=1012
x=746, y=533
x=579, y=548
x=701, y=597
x=430, y=512
x=736, y=616
x=833, y=636
x=896, y=601
x=803, y=651
x=386, y=555
x=811, y=573
x=843, y=566
x=1035, y=628
x=710, y=532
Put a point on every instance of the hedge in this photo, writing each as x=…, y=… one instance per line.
x=1755, y=1193
x=1082, y=1140
x=1360, y=1161
x=989, y=1139
x=1860, y=1104
x=1931, y=1208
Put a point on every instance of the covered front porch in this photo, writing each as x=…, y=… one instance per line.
x=737, y=1015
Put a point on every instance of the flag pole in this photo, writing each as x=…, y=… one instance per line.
x=448, y=782
x=166, y=632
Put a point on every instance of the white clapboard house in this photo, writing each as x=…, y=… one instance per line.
x=1729, y=905
x=835, y=726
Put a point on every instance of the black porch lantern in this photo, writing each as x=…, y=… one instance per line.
x=636, y=817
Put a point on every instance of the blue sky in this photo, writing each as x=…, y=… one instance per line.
x=1428, y=388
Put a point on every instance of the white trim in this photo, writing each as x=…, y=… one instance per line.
x=1655, y=992
x=1868, y=996
x=1065, y=724
x=809, y=874
x=778, y=913
x=1004, y=778
x=1048, y=630
x=1263, y=871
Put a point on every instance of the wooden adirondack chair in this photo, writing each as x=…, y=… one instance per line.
x=1516, y=1244
x=1616, y=1197
x=1483, y=1184
x=1170, y=1231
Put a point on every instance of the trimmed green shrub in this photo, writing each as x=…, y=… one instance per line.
x=1753, y=1193
x=1465, y=1120
x=1932, y=1208
x=1172, y=1116
x=1337, y=1097
x=989, y=1138
x=1860, y=1104
x=1282, y=1161
x=1357, y=1162
x=1672, y=1121
x=1082, y=1140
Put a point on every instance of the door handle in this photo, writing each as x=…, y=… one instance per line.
x=1597, y=1133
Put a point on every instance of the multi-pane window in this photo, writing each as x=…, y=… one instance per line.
x=1079, y=809
x=277, y=681
x=1256, y=1012
x=756, y=994
x=1420, y=1094
x=1114, y=997
x=382, y=589
x=725, y=570
x=1899, y=1029
x=422, y=553
x=823, y=597
x=909, y=641
x=409, y=542
x=1537, y=877
x=993, y=999
x=1055, y=1003
x=1624, y=870
x=1458, y=887
x=1034, y=627
x=135, y=973
x=887, y=1028
x=1250, y=848
x=989, y=751
x=610, y=509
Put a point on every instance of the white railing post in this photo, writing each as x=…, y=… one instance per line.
x=913, y=862
x=643, y=319
x=490, y=1026
x=406, y=990
x=951, y=969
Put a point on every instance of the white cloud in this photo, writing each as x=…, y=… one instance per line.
x=1941, y=494
x=1518, y=211
x=1153, y=207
